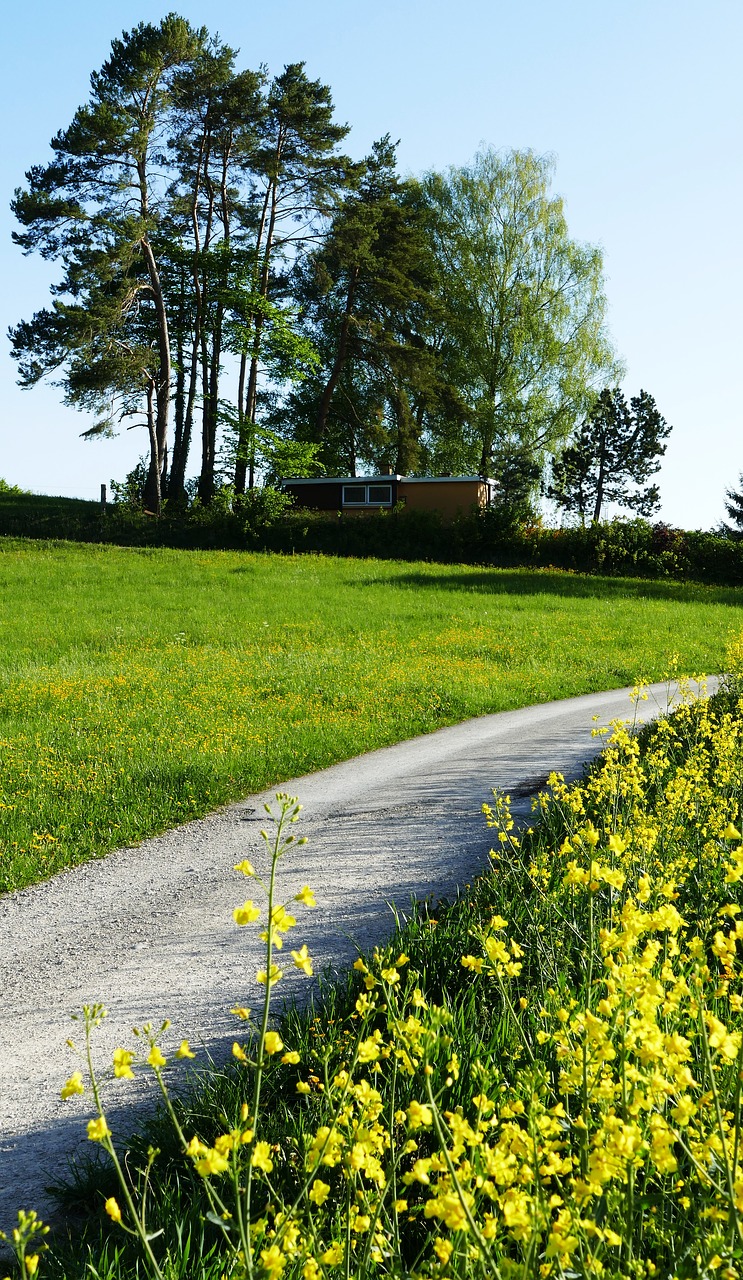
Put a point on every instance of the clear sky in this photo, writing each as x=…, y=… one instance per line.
x=641, y=102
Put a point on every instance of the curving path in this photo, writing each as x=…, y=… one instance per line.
x=149, y=931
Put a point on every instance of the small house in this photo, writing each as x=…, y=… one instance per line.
x=359, y=495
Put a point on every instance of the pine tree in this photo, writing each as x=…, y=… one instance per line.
x=97, y=207
x=617, y=448
x=734, y=508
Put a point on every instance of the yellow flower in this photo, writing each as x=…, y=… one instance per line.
x=302, y=1087
x=303, y=961
x=32, y=1263
x=73, y=1085
x=282, y=920
x=291, y=1058
x=443, y=1250
x=246, y=867
x=275, y=975
x=241, y=1012
x=419, y=1115
x=261, y=1157
x=472, y=962
x=112, y=1209
x=155, y=1058
x=239, y=1053
x=98, y=1129
x=272, y=1042
x=211, y=1162
x=123, y=1058
x=306, y=896
x=332, y=1256
x=246, y=914
x=273, y=1261
x=184, y=1050
x=319, y=1192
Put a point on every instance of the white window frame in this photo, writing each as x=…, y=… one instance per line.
x=367, y=502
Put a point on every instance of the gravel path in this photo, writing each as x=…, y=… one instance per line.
x=149, y=931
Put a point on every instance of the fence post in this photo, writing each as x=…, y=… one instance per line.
x=103, y=499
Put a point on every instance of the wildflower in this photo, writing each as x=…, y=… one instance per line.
x=246, y=867
x=319, y=1192
x=123, y=1059
x=72, y=1086
x=211, y=1162
x=332, y=1256
x=275, y=974
x=239, y=1053
x=112, y=1209
x=305, y=896
x=184, y=1050
x=368, y=1050
x=246, y=914
x=449, y=1206
x=241, y=1012
x=291, y=1058
x=272, y=1042
x=273, y=1261
x=261, y=1157
x=472, y=962
x=443, y=1250
x=155, y=1058
x=303, y=961
x=419, y=1115
x=98, y=1129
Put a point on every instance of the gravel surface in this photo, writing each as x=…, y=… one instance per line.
x=149, y=930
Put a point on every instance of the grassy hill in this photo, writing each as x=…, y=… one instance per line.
x=142, y=687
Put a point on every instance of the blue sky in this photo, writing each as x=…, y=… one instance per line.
x=640, y=103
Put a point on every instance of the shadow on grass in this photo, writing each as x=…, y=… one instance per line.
x=538, y=582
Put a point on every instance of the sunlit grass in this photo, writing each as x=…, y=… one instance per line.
x=141, y=688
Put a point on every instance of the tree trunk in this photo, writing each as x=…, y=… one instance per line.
x=162, y=399
x=152, y=492
x=340, y=359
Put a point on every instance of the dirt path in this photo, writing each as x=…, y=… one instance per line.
x=149, y=930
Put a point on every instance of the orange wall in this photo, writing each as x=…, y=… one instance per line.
x=449, y=497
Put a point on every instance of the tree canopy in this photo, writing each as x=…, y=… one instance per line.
x=230, y=276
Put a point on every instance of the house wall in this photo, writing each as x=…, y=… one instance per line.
x=450, y=497
x=318, y=497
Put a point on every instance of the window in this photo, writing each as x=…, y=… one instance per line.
x=354, y=495
x=367, y=495
x=379, y=493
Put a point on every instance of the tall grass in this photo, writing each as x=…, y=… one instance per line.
x=542, y=1079
x=141, y=688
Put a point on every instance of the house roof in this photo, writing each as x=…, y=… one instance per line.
x=384, y=479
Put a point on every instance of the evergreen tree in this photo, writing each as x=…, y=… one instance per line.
x=367, y=296
x=734, y=508
x=617, y=448
x=97, y=207
x=300, y=174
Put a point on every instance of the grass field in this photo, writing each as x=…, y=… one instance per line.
x=140, y=688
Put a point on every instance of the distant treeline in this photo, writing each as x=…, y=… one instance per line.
x=264, y=522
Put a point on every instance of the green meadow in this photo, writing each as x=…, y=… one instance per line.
x=141, y=688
